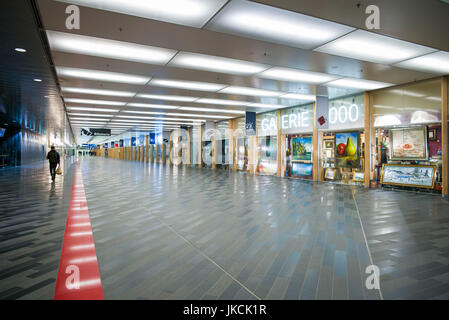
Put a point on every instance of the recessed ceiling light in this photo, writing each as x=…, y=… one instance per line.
x=165, y=97
x=92, y=109
x=298, y=96
x=216, y=64
x=101, y=75
x=149, y=105
x=222, y=102
x=360, y=84
x=190, y=85
x=437, y=62
x=262, y=22
x=37, y=80
x=99, y=92
x=197, y=115
x=194, y=13
x=21, y=50
x=295, y=75
x=212, y=110
x=250, y=91
x=368, y=46
x=91, y=101
x=99, y=47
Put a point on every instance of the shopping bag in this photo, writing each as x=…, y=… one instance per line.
x=58, y=170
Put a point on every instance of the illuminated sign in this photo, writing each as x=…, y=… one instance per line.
x=344, y=113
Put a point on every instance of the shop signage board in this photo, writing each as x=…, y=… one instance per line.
x=409, y=143
x=340, y=114
x=121, y=143
x=250, y=123
x=152, y=139
x=133, y=141
x=95, y=132
x=420, y=176
x=297, y=119
x=266, y=124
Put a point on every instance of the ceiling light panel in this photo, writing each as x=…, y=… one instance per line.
x=193, y=13
x=99, y=92
x=91, y=109
x=189, y=85
x=89, y=114
x=167, y=98
x=149, y=105
x=437, y=62
x=299, y=96
x=216, y=64
x=295, y=75
x=368, y=46
x=106, y=48
x=89, y=119
x=91, y=101
x=197, y=115
x=106, y=76
x=222, y=102
x=361, y=84
x=264, y=105
x=212, y=110
x=250, y=91
x=262, y=22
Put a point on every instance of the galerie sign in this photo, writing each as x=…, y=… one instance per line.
x=297, y=120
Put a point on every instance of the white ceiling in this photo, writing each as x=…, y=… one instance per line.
x=245, y=54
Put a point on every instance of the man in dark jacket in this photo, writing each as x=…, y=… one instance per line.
x=53, y=159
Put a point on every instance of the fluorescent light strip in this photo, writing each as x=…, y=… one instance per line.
x=91, y=109
x=106, y=48
x=263, y=105
x=298, y=96
x=99, y=92
x=437, y=62
x=212, y=110
x=148, y=105
x=360, y=84
x=295, y=75
x=267, y=23
x=89, y=119
x=216, y=64
x=89, y=114
x=250, y=91
x=193, y=13
x=222, y=102
x=198, y=115
x=189, y=85
x=168, y=98
x=101, y=75
x=99, y=102
x=368, y=46
x=168, y=119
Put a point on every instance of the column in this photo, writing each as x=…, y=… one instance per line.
x=200, y=146
x=163, y=153
x=444, y=136
x=252, y=154
x=279, y=145
x=188, y=157
x=147, y=140
x=368, y=140
x=230, y=157
x=315, y=147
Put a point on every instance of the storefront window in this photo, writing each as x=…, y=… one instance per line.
x=408, y=149
x=342, y=140
x=266, y=128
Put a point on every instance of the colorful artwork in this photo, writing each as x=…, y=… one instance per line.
x=330, y=174
x=302, y=169
x=329, y=144
x=347, y=150
x=408, y=175
x=409, y=143
x=302, y=149
x=359, y=177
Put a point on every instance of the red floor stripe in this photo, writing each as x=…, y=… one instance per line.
x=78, y=275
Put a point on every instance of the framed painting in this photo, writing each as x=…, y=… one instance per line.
x=328, y=144
x=302, y=149
x=420, y=176
x=330, y=174
x=432, y=134
x=358, y=176
x=347, y=150
x=302, y=169
x=409, y=143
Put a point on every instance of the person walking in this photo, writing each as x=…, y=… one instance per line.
x=53, y=159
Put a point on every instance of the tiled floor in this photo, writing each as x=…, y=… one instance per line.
x=166, y=232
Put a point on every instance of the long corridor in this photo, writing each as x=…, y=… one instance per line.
x=167, y=232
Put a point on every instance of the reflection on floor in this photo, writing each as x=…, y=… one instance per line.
x=166, y=232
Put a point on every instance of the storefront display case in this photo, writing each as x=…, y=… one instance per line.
x=407, y=135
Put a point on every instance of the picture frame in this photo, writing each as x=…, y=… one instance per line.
x=409, y=175
x=330, y=174
x=328, y=144
x=409, y=143
x=432, y=134
x=358, y=176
